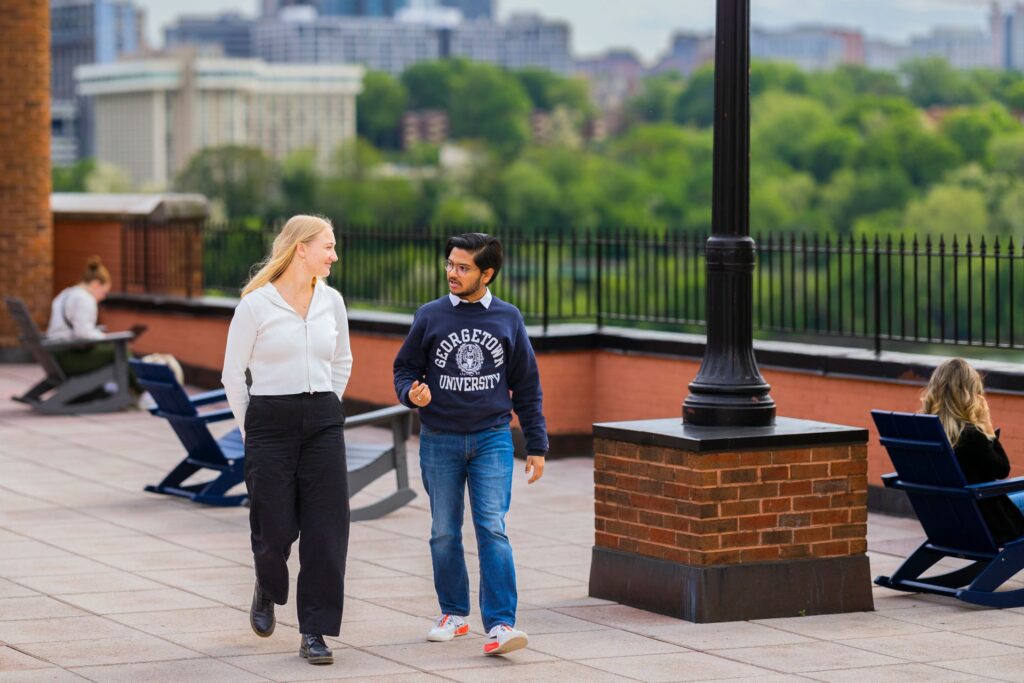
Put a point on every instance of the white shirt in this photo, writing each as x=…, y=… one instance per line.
x=73, y=315
x=284, y=353
x=485, y=300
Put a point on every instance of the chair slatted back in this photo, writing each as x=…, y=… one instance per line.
x=32, y=339
x=922, y=455
x=174, y=405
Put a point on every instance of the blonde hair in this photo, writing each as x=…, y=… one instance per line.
x=298, y=230
x=956, y=394
x=95, y=271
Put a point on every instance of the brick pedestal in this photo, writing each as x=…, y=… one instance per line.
x=725, y=524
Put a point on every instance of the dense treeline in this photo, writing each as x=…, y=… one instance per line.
x=848, y=151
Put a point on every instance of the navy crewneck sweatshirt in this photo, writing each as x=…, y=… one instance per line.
x=479, y=365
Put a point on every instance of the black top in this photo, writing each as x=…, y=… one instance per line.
x=983, y=460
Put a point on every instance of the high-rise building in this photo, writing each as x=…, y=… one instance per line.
x=153, y=115
x=813, y=48
x=85, y=32
x=1008, y=36
x=230, y=33
x=884, y=55
x=416, y=34
x=963, y=48
x=613, y=77
x=687, y=53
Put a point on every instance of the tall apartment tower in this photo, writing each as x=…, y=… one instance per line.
x=85, y=32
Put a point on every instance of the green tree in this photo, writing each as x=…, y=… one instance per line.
x=781, y=125
x=430, y=84
x=299, y=182
x=695, y=103
x=828, y=149
x=1006, y=154
x=934, y=82
x=243, y=179
x=72, y=178
x=531, y=197
x=490, y=105
x=656, y=99
x=971, y=128
x=379, y=109
x=454, y=209
x=948, y=210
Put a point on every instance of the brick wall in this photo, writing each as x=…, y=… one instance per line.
x=26, y=237
x=727, y=508
x=75, y=241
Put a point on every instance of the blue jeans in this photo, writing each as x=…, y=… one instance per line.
x=448, y=461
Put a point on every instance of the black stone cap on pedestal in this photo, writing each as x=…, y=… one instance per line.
x=785, y=433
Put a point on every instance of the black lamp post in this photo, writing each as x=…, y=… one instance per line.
x=729, y=390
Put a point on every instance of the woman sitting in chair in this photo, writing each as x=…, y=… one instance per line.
x=956, y=394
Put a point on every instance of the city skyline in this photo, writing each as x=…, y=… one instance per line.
x=646, y=26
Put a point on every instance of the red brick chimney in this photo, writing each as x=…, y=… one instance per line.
x=26, y=229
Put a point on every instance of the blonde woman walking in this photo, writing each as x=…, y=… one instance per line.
x=290, y=331
x=956, y=394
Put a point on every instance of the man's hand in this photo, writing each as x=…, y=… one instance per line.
x=534, y=467
x=419, y=395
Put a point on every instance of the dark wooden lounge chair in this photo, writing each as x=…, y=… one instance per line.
x=60, y=394
x=226, y=456
x=947, y=506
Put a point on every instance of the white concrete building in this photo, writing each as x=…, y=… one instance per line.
x=153, y=115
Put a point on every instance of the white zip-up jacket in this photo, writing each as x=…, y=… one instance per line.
x=284, y=353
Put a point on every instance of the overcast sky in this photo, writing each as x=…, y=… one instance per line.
x=645, y=25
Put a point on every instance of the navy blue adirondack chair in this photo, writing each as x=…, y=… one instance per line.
x=947, y=507
x=225, y=455
x=366, y=461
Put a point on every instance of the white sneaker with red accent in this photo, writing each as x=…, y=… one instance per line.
x=447, y=627
x=503, y=639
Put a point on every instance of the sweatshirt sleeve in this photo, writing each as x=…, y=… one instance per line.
x=411, y=362
x=341, y=363
x=527, y=397
x=82, y=312
x=241, y=340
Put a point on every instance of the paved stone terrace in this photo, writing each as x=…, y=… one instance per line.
x=101, y=581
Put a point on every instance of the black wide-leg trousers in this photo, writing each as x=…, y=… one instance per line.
x=298, y=488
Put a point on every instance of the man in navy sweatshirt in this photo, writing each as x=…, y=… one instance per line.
x=466, y=365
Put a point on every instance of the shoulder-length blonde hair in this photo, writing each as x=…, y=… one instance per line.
x=956, y=394
x=298, y=230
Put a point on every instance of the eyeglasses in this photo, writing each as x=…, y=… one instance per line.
x=460, y=268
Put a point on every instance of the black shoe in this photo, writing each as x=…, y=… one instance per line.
x=261, y=614
x=315, y=650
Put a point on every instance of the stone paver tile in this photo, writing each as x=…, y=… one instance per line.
x=240, y=556
x=199, y=620
x=348, y=663
x=190, y=578
x=931, y=647
x=14, y=550
x=553, y=556
x=357, y=611
x=897, y=673
x=395, y=629
x=52, y=566
x=403, y=678
x=13, y=660
x=137, y=647
x=1005, y=668
x=539, y=621
x=212, y=541
x=114, y=545
x=1010, y=635
x=565, y=596
x=22, y=521
x=801, y=657
x=174, y=559
x=137, y=601
x=621, y=617
x=722, y=635
x=51, y=675
x=191, y=670
x=958, y=618
x=397, y=547
x=399, y=586
x=681, y=666
x=9, y=589
x=604, y=643
x=462, y=653
x=843, y=626
x=360, y=569
x=239, y=642
x=416, y=566
x=537, y=579
x=61, y=628
x=70, y=584
x=579, y=571
x=40, y=607
x=886, y=600
x=542, y=672
x=234, y=594
x=76, y=530
x=8, y=536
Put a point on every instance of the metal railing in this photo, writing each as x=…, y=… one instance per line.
x=856, y=290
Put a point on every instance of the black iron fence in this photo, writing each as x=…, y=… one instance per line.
x=918, y=290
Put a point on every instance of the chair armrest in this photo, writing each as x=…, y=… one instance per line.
x=208, y=397
x=997, y=488
x=62, y=344
x=948, y=491
x=890, y=479
x=217, y=415
x=377, y=416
